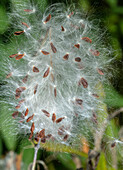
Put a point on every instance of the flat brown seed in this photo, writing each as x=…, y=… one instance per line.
x=20, y=89
x=45, y=52
x=66, y=137
x=19, y=56
x=87, y=39
x=62, y=28
x=55, y=92
x=100, y=71
x=95, y=52
x=60, y=119
x=78, y=59
x=26, y=112
x=13, y=55
x=83, y=82
x=46, y=113
x=15, y=114
x=41, y=133
x=9, y=75
x=113, y=144
x=95, y=95
x=54, y=117
x=25, y=79
x=18, y=106
x=30, y=118
x=79, y=101
x=17, y=95
x=35, y=69
x=23, y=23
x=53, y=48
x=18, y=32
x=31, y=135
x=77, y=45
x=21, y=101
x=61, y=131
x=47, y=19
x=28, y=10
x=66, y=56
x=37, y=137
x=70, y=14
x=43, y=140
x=32, y=127
x=35, y=88
x=49, y=136
x=46, y=72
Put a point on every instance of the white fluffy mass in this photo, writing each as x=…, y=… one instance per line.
x=55, y=73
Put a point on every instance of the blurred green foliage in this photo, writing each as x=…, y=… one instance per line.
x=109, y=11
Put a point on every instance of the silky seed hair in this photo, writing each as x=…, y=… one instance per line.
x=55, y=72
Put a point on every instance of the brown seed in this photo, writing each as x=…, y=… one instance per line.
x=66, y=137
x=60, y=119
x=20, y=89
x=35, y=69
x=87, y=39
x=100, y=71
x=28, y=10
x=47, y=19
x=43, y=140
x=46, y=72
x=78, y=59
x=18, y=106
x=13, y=55
x=25, y=79
x=32, y=127
x=62, y=28
x=95, y=95
x=37, y=137
x=49, y=136
x=31, y=135
x=83, y=82
x=61, y=131
x=95, y=52
x=21, y=101
x=41, y=133
x=45, y=52
x=79, y=101
x=53, y=48
x=66, y=56
x=18, y=32
x=15, y=114
x=19, y=56
x=70, y=14
x=35, y=88
x=113, y=144
x=30, y=118
x=77, y=45
x=9, y=75
x=23, y=23
x=26, y=112
x=55, y=92
x=46, y=113
x=54, y=117
x=17, y=95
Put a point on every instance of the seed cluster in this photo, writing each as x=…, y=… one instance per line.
x=57, y=66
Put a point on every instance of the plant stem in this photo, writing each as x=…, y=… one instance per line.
x=35, y=154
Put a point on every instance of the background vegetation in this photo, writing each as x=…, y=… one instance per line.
x=110, y=12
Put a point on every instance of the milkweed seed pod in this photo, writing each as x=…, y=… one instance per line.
x=54, y=73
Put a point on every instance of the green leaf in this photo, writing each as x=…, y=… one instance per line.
x=66, y=160
x=113, y=98
x=102, y=163
x=8, y=128
x=3, y=20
